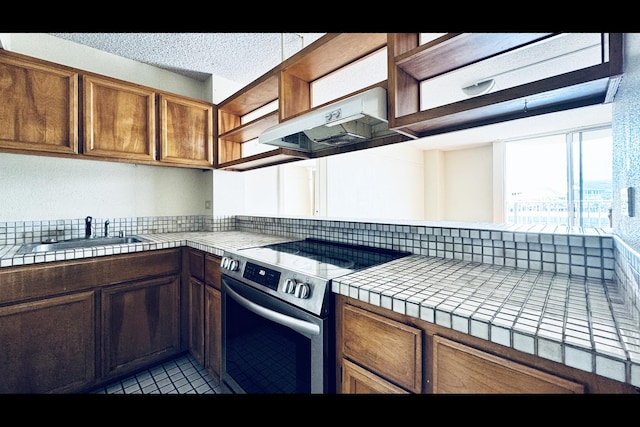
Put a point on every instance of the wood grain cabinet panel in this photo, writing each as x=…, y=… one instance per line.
x=48, y=346
x=196, y=319
x=458, y=368
x=357, y=380
x=213, y=332
x=213, y=316
x=119, y=120
x=388, y=348
x=39, y=107
x=141, y=323
x=212, y=271
x=186, y=131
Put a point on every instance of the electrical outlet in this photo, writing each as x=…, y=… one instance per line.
x=207, y=204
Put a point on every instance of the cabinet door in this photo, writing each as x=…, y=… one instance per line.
x=357, y=380
x=196, y=319
x=141, y=323
x=48, y=346
x=458, y=368
x=119, y=120
x=196, y=264
x=186, y=131
x=39, y=107
x=213, y=332
x=212, y=271
x=388, y=348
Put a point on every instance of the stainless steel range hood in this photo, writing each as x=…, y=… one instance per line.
x=358, y=118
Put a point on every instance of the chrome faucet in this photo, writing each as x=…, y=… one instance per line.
x=87, y=227
x=106, y=228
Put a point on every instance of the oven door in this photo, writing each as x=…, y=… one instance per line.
x=271, y=346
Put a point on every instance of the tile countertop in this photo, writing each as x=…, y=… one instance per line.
x=577, y=321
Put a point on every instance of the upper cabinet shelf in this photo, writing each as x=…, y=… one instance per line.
x=456, y=50
x=287, y=89
x=421, y=72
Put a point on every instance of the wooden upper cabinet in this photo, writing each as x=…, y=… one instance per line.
x=288, y=86
x=589, y=74
x=39, y=107
x=119, y=120
x=186, y=131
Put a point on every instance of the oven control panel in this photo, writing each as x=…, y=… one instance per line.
x=262, y=275
x=298, y=289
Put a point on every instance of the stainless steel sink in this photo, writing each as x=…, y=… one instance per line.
x=78, y=244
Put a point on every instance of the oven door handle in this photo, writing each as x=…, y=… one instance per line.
x=291, y=322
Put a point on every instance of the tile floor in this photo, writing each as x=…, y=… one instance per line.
x=182, y=375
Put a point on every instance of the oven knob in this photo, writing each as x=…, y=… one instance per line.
x=229, y=264
x=289, y=286
x=225, y=262
x=302, y=290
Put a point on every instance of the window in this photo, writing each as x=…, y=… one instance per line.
x=563, y=179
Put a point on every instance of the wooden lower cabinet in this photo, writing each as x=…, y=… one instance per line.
x=196, y=319
x=213, y=332
x=68, y=326
x=48, y=345
x=458, y=368
x=388, y=349
x=141, y=324
x=381, y=351
x=205, y=310
x=213, y=317
x=357, y=380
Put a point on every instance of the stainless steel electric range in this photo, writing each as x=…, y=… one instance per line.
x=277, y=313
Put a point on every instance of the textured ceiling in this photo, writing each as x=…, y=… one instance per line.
x=239, y=57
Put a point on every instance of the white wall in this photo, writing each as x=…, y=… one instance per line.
x=228, y=193
x=397, y=181
x=468, y=185
x=434, y=197
x=459, y=184
x=42, y=188
x=39, y=187
x=379, y=183
x=261, y=191
x=296, y=190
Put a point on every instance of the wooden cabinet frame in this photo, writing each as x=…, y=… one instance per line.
x=476, y=353
x=67, y=326
x=186, y=131
x=411, y=63
x=39, y=111
x=119, y=120
x=55, y=110
x=290, y=85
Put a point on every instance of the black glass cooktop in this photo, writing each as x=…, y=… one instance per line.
x=321, y=258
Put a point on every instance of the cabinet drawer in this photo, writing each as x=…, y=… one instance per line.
x=196, y=264
x=212, y=271
x=357, y=380
x=390, y=349
x=458, y=368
